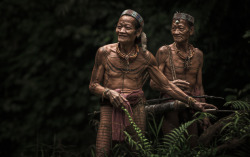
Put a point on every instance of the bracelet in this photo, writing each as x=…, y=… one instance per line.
x=105, y=92
x=191, y=101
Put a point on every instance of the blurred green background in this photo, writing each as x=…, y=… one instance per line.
x=47, y=54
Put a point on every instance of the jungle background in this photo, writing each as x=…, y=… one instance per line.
x=47, y=54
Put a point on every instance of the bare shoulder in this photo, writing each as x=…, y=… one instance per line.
x=107, y=49
x=149, y=57
x=147, y=54
x=163, y=50
x=198, y=52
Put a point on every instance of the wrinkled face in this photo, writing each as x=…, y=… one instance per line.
x=125, y=29
x=181, y=31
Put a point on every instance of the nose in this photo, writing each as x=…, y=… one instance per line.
x=176, y=31
x=122, y=30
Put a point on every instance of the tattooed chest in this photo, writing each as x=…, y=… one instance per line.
x=116, y=68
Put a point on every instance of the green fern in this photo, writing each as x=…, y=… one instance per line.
x=238, y=105
x=237, y=127
x=202, y=115
x=154, y=128
x=143, y=145
x=176, y=140
x=204, y=151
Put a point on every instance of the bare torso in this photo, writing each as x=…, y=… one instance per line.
x=190, y=74
x=120, y=75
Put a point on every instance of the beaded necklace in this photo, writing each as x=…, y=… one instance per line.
x=187, y=60
x=128, y=56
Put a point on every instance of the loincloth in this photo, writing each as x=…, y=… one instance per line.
x=119, y=118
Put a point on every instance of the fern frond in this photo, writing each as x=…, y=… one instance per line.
x=174, y=141
x=238, y=105
x=144, y=145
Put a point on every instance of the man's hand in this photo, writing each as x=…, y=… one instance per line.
x=182, y=84
x=201, y=106
x=116, y=99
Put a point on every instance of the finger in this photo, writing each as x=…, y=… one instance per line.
x=115, y=100
x=181, y=82
x=182, y=85
x=209, y=106
x=199, y=107
x=122, y=100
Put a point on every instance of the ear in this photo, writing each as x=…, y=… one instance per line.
x=191, y=30
x=138, y=32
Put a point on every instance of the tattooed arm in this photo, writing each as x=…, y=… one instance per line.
x=161, y=57
x=97, y=79
x=95, y=86
x=198, y=88
x=168, y=87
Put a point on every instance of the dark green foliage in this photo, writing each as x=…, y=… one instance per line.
x=47, y=54
x=176, y=142
x=143, y=145
x=154, y=127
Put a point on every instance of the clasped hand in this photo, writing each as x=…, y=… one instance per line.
x=116, y=99
x=182, y=84
x=200, y=106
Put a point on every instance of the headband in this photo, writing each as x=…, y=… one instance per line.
x=184, y=16
x=135, y=15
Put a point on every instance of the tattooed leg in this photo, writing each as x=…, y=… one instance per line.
x=139, y=117
x=103, y=140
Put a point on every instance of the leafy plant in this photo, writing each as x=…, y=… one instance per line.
x=154, y=128
x=143, y=145
x=239, y=124
x=238, y=105
x=176, y=142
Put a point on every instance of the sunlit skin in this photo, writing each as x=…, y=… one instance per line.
x=113, y=72
x=126, y=32
x=181, y=31
x=189, y=80
x=131, y=81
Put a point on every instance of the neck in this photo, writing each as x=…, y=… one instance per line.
x=182, y=46
x=126, y=48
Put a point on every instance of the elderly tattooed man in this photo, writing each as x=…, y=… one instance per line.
x=182, y=64
x=118, y=77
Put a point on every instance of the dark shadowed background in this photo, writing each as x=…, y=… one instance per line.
x=47, y=54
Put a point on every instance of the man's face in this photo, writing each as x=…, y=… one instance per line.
x=125, y=29
x=180, y=30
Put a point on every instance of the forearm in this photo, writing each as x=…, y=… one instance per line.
x=177, y=93
x=162, y=84
x=97, y=89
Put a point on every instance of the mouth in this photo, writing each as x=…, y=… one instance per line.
x=177, y=36
x=122, y=36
